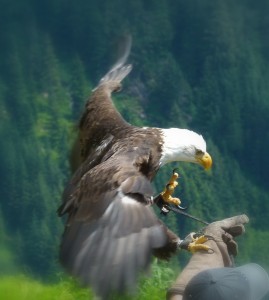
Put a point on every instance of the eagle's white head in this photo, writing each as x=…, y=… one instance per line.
x=184, y=145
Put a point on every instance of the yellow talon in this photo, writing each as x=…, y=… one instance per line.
x=201, y=239
x=198, y=245
x=172, y=200
x=169, y=190
x=173, y=177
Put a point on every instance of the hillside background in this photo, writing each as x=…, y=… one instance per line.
x=202, y=65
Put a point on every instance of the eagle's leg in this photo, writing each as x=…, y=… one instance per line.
x=194, y=243
x=169, y=190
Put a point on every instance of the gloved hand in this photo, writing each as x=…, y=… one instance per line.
x=223, y=233
x=222, y=243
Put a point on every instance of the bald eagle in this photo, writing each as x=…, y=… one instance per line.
x=111, y=230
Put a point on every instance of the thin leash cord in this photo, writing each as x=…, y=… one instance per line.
x=187, y=215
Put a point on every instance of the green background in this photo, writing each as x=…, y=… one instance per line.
x=197, y=64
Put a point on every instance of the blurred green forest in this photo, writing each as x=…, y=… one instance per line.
x=202, y=65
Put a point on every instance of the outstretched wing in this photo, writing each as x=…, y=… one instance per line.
x=100, y=117
x=111, y=233
x=119, y=70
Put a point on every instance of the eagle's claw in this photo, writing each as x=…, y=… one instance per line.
x=194, y=243
x=181, y=208
x=169, y=190
x=198, y=245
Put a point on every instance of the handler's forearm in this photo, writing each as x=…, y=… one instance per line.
x=199, y=261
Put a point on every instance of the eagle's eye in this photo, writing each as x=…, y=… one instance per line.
x=199, y=152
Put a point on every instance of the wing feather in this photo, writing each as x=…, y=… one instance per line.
x=118, y=71
x=111, y=236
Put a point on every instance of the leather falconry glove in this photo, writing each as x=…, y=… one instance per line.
x=221, y=236
x=223, y=233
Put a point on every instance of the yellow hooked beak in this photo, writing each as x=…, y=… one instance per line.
x=204, y=160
